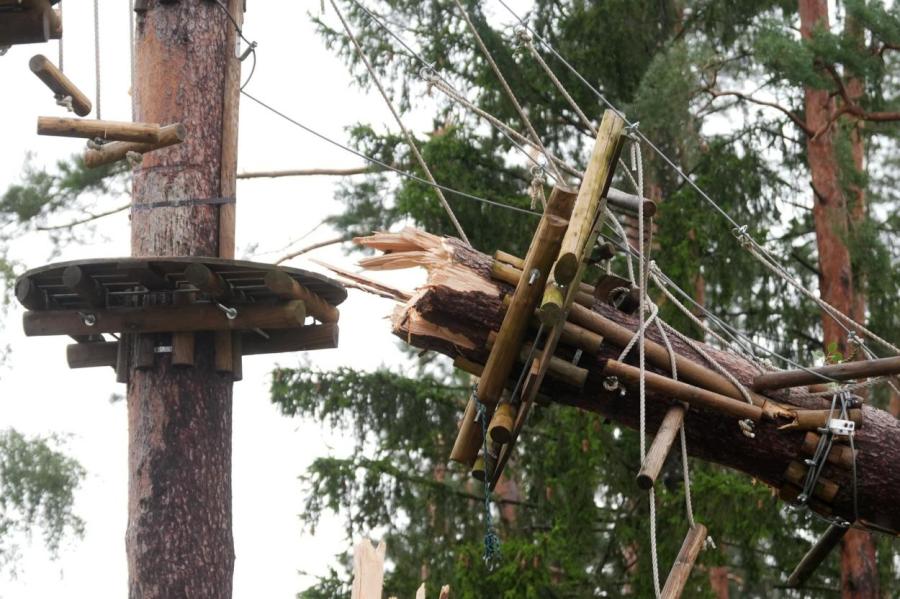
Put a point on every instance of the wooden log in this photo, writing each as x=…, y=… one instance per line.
x=286, y=287
x=590, y=203
x=840, y=455
x=696, y=397
x=92, y=355
x=661, y=446
x=29, y=295
x=630, y=202
x=841, y=372
x=816, y=555
x=88, y=289
x=206, y=281
x=223, y=358
x=501, y=425
x=658, y=356
x=812, y=420
x=824, y=490
x=93, y=129
x=169, y=135
x=164, y=319
x=544, y=247
x=59, y=84
x=684, y=562
x=32, y=26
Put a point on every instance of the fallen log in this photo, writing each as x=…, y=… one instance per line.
x=461, y=304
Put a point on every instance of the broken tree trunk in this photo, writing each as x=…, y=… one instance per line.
x=455, y=312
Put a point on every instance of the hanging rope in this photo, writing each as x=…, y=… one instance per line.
x=61, y=70
x=131, y=49
x=409, y=138
x=509, y=92
x=97, y=53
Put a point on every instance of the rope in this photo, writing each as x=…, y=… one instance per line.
x=97, y=52
x=508, y=90
x=61, y=56
x=131, y=48
x=491, y=540
x=409, y=138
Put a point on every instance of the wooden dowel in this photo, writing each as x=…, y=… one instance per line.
x=59, y=84
x=183, y=349
x=559, y=369
x=468, y=366
x=208, y=282
x=811, y=420
x=79, y=282
x=503, y=271
x=544, y=248
x=684, y=562
x=237, y=355
x=840, y=455
x=694, y=396
x=825, y=489
x=581, y=338
x=169, y=135
x=840, y=372
x=501, y=425
x=163, y=319
x=630, y=202
x=286, y=287
x=604, y=251
x=93, y=129
x=224, y=361
x=661, y=446
x=589, y=205
x=816, y=555
x=29, y=295
x=658, y=356
x=144, y=357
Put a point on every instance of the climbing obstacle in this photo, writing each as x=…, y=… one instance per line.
x=155, y=306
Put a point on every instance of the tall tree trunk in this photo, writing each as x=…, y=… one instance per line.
x=833, y=218
x=179, y=540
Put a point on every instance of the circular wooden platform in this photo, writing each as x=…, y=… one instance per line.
x=118, y=282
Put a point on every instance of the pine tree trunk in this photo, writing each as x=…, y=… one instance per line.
x=179, y=540
x=832, y=216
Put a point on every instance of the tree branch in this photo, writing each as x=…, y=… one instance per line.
x=337, y=172
x=748, y=98
x=315, y=246
x=87, y=219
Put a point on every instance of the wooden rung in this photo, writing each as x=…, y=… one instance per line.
x=694, y=396
x=589, y=205
x=59, y=84
x=825, y=489
x=207, y=281
x=169, y=135
x=501, y=425
x=544, y=248
x=812, y=420
x=816, y=555
x=840, y=372
x=840, y=455
x=79, y=282
x=286, y=287
x=559, y=369
x=509, y=274
x=163, y=319
x=93, y=129
x=603, y=251
x=182, y=349
x=224, y=360
x=630, y=203
x=661, y=446
x=684, y=562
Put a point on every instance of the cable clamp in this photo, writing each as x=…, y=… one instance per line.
x=631, y=131
x=162, y=349
x=839, y=426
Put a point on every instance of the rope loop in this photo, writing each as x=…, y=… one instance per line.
x=523, y=36
x=64, y=101
x=747, y=428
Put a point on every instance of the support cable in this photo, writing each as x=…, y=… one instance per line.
x=97, y=54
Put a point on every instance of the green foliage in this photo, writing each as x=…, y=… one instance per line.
x=37, y=492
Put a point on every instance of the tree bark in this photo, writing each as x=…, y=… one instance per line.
x=179, y=540
x=460, y=304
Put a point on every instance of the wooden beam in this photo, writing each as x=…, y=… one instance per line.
x=841, y=372
x=630, y=202
x=590, y=202
x=661, y=446
x=816, y=555
x=696, y=397
x=59, y=84
x=684, y=562
x=544, y=247
x=169, y=135
x=163, y=319
x=286, y=287
x=562, y=370
x=93, y=129
x=92, y=355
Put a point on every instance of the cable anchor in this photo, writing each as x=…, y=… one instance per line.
x=230, y=313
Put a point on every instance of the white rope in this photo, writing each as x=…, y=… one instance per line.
x=509, y=92
x=409, y=138
x=620, y=230
x=131, y=49
x=97, y=53
x=61, y=70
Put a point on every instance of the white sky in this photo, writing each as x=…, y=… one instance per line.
x=39, y=394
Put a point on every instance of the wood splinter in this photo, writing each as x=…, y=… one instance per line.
x=93, y=129
x=169, y=135
x=59, y=84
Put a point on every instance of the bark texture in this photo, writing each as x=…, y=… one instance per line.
x=460, y=304
x=179, y=540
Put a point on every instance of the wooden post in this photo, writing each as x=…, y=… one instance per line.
x=179, y=540
x=662, y=444
x=169, y=135
x=59, y=84
x=841, y=372
x=816, y=555
x=93, y=129
x=544, y=247
x=684, y=562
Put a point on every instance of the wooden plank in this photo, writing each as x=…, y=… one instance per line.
x=661, y=446
x=684, y=562
x=368, y=570
x=816, y=555
x=94, y=129
x=286, y=287
x=544, y=247
x=841, y=372
x=164, y=319
x=590, y=202
x=169, y=135
x=59, y=84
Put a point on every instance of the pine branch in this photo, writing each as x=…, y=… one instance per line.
x=87, y=219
